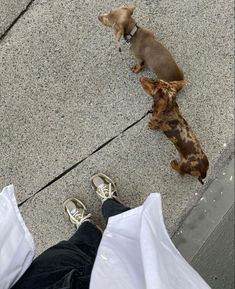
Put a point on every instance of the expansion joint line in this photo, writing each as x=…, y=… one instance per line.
x=15, y=20
x=81, y=161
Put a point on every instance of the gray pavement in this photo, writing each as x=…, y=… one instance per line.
x=206, y=236
x=10, y=10
x=138, y=166
x=65, y=91
x=215, y=203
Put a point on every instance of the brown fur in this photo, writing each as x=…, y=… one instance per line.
x=148, y=51
x=167, y=117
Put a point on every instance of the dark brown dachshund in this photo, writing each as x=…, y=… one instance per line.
x=166, y=116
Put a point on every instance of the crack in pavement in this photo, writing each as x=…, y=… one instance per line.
x=16, y=19
x=85, y=158
x=2, y=37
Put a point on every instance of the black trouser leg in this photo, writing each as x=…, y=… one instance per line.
x=112, y=207
x=65, y=265
x=87, y=238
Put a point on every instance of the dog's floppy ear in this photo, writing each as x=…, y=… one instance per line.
x=118, y=30
x=178, y=85
x=131, y=9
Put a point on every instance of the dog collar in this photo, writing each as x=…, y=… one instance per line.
x=130, y=35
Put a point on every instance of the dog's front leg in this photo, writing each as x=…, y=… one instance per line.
x=138, y=67
x=175, y=166
x=153, y=125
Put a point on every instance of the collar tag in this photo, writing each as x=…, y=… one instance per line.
x=131, y=34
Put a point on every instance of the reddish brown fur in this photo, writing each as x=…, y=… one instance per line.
x=167, y=117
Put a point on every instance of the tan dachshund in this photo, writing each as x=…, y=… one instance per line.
x=165, y=115
x=148, y=51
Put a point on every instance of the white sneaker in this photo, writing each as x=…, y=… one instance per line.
x=76, y=211
x=105, y=187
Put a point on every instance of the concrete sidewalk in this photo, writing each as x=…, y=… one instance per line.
x=65, y=91
x=11, y=11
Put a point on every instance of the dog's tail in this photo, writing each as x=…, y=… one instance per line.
x=200, y=180
x=203, y=171
x=202, y=176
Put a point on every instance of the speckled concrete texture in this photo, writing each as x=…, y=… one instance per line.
x=65, y=90
x=9, y=11
x=138, y=161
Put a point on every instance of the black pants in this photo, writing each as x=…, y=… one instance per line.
x=68, y=264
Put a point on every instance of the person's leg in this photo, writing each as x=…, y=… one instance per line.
x=87, y=238
x=69, y=263
x=107, y=192
x=112, y=207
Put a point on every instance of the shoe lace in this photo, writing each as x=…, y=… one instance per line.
x=106, y=190
x=80, y=216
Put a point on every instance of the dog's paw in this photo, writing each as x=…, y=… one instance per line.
x=152, y=125
x=175, y=165
x=136, y=68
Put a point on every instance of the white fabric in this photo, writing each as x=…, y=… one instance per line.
x=136, y=252
x=16, y=243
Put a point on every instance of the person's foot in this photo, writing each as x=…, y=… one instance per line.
x=77, y=211
x=105, y=187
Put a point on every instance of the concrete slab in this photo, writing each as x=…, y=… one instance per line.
x=65, y=91
x=9, y=11
x=206, y=236
x=220, y=246
x=138, y=161
x=207, y=215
